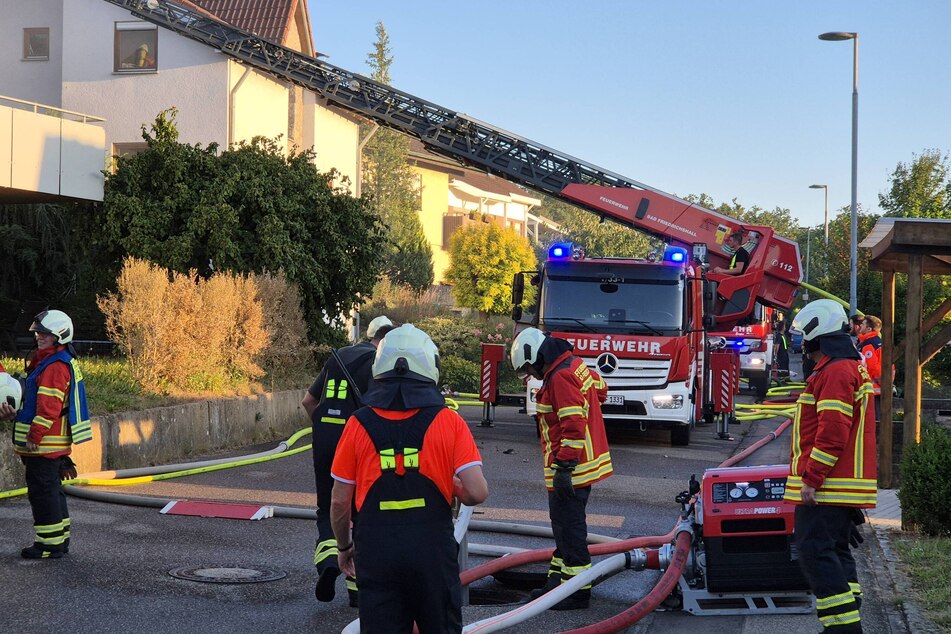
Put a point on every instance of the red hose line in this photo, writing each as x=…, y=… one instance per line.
x=652, y=599
x=771, y=436
x=544, y=554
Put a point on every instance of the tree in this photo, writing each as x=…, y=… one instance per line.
x=392, y=185
x=483, y=259
x=252, y=208
x=920, y=189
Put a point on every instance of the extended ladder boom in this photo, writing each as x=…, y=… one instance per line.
x=491, y=149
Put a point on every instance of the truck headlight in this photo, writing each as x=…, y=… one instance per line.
x=668, y=401
x=757, y=361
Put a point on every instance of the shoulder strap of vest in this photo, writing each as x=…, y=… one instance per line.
x=380, y=429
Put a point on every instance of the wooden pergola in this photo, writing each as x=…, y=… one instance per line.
x=916, y=247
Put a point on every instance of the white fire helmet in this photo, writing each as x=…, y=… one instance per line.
x=11, y=391
x=821, y=317
x=525, y=349
x=54, y=322
x=377, y=323
x=407, y=352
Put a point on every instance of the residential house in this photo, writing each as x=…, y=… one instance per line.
x=452, y=196
x=94, y=57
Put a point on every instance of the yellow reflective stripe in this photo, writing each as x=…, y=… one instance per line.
x=333, y=420
x=840, y=619
x=807, y=398
x=572, y=444
x=573, y=571
x=587, y=383
x=411, y=458
x=832, y=405
x=855, y=588
x=821, y=456
x=573, y=410
x=836, y=599
x=796, y=441
x=331, y=388
x=588, y=443
x=402, y=505
x=51, y=391
x=543, y=408
x=45, y=423
x=350, y=583
x=47, y=528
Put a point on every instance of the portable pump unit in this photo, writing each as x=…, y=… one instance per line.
x=744, y=560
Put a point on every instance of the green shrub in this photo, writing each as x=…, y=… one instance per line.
x=459, y=375
x=925, y=482
x=455, y=337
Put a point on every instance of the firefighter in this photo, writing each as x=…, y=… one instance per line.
x=832, y=465
x=781, y=341
x=740, y=259
x=329, y=402
x=574, y=449
x=54, y=416
x=870, y=346
x=402, y=458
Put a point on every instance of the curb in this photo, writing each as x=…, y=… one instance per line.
x=904, y=615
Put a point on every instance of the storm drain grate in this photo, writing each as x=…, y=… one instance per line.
x=225, y=574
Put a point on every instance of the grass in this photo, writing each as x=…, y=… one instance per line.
x=928, y=562
x=111, y=388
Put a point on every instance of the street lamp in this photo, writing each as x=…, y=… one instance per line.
x=825, y=187
x=839, y=36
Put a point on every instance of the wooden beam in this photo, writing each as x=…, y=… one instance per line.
x=912, y=430
x=930, y=322
x=885, y=475
x=935, y=343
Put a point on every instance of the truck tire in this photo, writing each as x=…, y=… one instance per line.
x=680, y=435
x=760, y=384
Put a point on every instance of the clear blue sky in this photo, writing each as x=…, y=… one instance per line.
x=728, y=98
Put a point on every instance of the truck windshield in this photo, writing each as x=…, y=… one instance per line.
x=648, y=299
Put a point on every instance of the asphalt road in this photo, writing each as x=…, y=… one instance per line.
x=116, y=576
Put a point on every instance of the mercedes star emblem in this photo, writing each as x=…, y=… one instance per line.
x=607, y=363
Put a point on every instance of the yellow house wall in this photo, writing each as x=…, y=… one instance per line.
x=259, y=105
x=435, y=196
x=335, y=140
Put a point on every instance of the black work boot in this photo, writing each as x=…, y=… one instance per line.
x=580, y=600
x=325, y=589
x=551, y=583
x=39, y=551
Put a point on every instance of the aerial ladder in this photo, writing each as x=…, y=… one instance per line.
x=772, y=276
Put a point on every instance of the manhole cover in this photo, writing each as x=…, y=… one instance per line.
x=226, y=574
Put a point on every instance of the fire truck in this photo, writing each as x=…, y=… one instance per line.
x=656, y=335
x=752, y=339
x=646, y=324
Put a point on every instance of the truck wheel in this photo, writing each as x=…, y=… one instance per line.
x=760, y=384
x=680, y=435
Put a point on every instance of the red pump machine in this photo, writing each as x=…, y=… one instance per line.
x=744, y=559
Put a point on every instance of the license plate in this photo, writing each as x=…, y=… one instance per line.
x=614, y=399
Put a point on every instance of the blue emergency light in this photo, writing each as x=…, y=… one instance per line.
x=678, y=255
x=560, y=251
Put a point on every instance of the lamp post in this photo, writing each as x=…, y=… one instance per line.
x=825, y=187
x=808, y=249
x=839, y=36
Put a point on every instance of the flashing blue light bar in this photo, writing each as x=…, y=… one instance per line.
x=678, y=255
x=560, y=251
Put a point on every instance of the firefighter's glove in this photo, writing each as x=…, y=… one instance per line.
x=67, y=469
x=562, y=480
x=855, y=535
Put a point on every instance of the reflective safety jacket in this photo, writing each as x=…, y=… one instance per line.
x=833, y=438
x=870, y=347
x=338, y=398
x=54, y=414
x=569, y=415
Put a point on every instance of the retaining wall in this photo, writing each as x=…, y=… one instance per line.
x=172, y=434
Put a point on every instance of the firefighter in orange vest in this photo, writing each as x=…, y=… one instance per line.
x=402, y=458
x=574, y=449
x=832, y=466
x=54, y=416
x=870, y=346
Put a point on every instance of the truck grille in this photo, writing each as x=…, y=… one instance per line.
x=635, y=374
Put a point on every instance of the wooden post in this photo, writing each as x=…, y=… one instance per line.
x=885, y=476
x=912, y=431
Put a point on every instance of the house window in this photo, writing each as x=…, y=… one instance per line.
x=136, y=47
x=36, y=44
x=128, y=149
